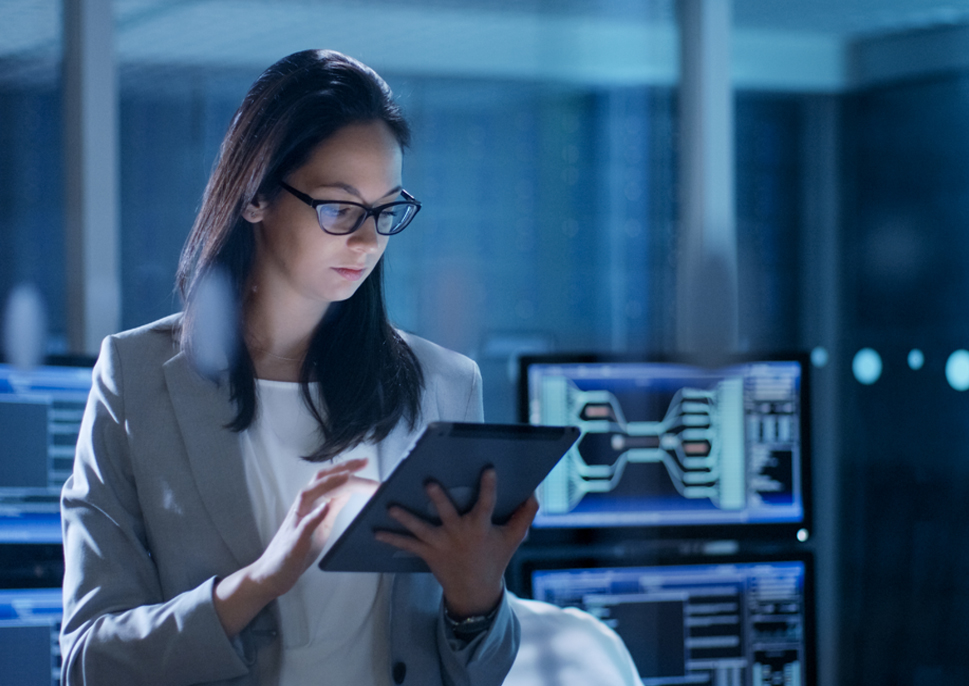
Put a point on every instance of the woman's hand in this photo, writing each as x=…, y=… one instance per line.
x=240, y=596
x=466, y=553
x=303, y=533
x=341, y=495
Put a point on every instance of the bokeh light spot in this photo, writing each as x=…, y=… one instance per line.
x=24, y=327
x=915, y=359
x=957, y=370
x=867, y=366
x=819, y=357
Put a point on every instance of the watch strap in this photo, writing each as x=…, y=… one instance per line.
x=469, y=627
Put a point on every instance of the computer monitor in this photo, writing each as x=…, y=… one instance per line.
x=40, y=415
x=674, y=447
x=720, y=622
x=30, y=620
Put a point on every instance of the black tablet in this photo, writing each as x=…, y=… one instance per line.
x=454, y=455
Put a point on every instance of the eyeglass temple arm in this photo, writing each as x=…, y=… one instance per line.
x=312, y=202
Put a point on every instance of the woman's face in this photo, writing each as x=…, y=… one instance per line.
x=295, y=258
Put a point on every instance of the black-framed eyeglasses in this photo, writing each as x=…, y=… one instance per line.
x=340, y=217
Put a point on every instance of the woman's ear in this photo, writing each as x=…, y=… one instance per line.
x=255, y=211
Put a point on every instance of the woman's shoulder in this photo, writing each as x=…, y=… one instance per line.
x=452, y=382
x=436, y=360
x=153, y=342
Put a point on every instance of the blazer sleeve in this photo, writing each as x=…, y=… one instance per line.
x=487, y=659
x=117, y=628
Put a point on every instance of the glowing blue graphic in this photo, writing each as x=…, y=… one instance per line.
x=867, y=366
x=668, y=444
x=915, y=359
x=957, y=370
x=819, y=357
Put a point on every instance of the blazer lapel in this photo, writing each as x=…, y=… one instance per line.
x=398, y=443
x=203, y=409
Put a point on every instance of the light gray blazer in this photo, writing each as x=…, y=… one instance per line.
x=157, y=509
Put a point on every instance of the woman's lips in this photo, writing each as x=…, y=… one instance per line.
x=350, y=274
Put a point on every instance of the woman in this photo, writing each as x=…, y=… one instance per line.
x=198, y=499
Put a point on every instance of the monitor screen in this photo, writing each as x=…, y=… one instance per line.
x=668, y=444
x=29, y=627
x=743, y=623
x=40, y=415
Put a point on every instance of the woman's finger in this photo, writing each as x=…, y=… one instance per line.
x=356, y=484
x=310, y=522
x=517, y=525
x=327, y=483
x=442, y=503
x=487, y=495
x=354, y=465
x=322, y=481
x=405, y=543
x=417, y=526
x=306, y=502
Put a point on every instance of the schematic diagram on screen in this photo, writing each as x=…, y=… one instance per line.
x=669, y=445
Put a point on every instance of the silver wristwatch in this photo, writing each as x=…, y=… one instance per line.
x=469, y=627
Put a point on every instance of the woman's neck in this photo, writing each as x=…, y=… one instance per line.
x=278, y=334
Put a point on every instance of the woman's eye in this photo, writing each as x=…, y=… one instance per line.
x=336, y=212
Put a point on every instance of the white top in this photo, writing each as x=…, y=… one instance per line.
x=334, y=625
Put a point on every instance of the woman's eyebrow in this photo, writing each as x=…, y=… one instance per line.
x=353, y=191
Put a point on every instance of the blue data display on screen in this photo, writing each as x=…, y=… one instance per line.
x=668, y=444
x=739, y=623
x=40, y=416
x=30, y=621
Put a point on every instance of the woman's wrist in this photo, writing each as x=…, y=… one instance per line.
x=484, y=604
x=238, y=598
x=467, y=627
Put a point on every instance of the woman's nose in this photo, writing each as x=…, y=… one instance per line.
x=366, y=238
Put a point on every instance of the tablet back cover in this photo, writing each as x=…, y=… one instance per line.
x=454, y=455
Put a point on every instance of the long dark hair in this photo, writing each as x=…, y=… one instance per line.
x=368, y=377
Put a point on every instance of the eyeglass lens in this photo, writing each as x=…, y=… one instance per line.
x=340, y=218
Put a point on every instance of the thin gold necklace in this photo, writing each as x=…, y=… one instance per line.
x=261, y=351
x=252, y=341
